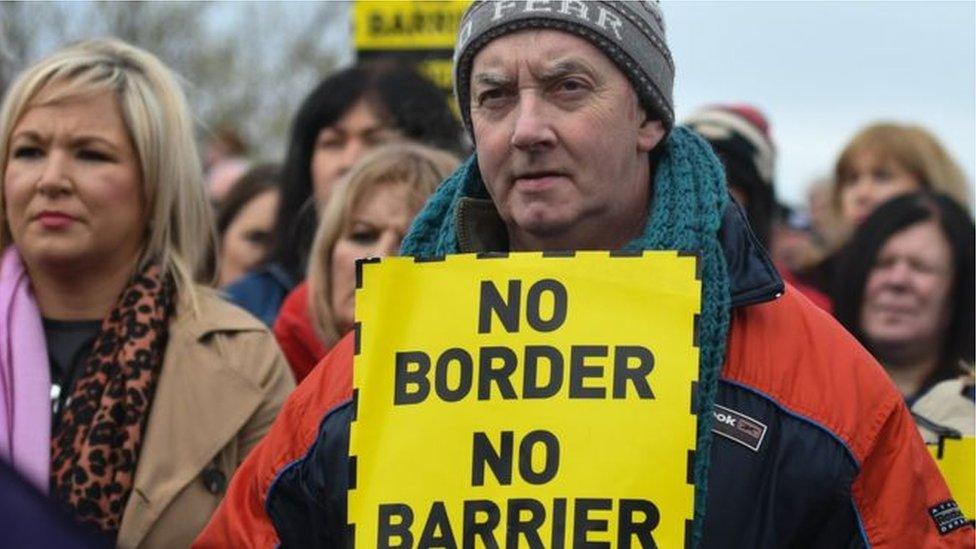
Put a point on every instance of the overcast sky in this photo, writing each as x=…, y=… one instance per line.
x=822, y=70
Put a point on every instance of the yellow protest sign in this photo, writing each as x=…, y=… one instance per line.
x=438, y=71
x=527, y=400
x=958, y=466
x=407, y=25
x=419, y=33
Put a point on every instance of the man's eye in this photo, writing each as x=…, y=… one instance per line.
x=28, y=152
x=494, y=97
x=571, y=85
x=570, y=88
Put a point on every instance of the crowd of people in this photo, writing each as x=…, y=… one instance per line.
x=158, y=307
x=908, y=299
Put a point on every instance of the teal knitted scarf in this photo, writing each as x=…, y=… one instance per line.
x=688, y=201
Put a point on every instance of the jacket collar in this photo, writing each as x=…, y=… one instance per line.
x=753, y=279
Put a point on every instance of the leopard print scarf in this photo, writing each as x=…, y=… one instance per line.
x=95, y=446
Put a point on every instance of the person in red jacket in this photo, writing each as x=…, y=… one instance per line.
x=569, y=106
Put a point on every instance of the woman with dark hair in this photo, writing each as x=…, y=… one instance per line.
x=245, y=220
x=882, y=161
x=348, y=114
x=905, y=289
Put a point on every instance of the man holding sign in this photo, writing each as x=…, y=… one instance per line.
x=801, y=439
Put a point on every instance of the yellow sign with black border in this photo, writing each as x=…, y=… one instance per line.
x=525, y=400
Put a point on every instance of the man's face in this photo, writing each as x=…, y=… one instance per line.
x=562, y=142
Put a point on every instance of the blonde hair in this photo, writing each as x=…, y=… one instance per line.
x=419, y=167
x=180, y=224
x=913, y=148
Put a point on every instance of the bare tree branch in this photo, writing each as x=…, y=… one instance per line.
x=244, y=64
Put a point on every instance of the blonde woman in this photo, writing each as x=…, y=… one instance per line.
x=370, y=211
x=883, y=161
x=128, y=392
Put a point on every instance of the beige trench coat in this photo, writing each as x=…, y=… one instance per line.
x=222, y=383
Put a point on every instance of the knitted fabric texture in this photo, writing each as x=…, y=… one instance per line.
x=686, y=214
x=631, y=35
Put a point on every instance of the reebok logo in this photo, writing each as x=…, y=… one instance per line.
x=738, y=427
x=725, y=418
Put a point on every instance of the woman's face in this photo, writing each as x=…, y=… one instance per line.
x=340, y=145
x=73, y=192
x=247, y=239
x=871, y=180
x=906, y=297
x=374, y=229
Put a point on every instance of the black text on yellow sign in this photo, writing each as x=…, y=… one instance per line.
x=407, y=24
x=522, y=401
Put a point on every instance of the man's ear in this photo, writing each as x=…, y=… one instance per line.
x=649, y=134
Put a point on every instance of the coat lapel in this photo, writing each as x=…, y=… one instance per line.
x=200, y=405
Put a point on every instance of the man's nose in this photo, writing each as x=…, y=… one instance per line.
x=533, y=123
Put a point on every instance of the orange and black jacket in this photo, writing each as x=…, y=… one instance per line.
x=813, y=445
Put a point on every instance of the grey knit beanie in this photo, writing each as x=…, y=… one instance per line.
x=630, y=33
